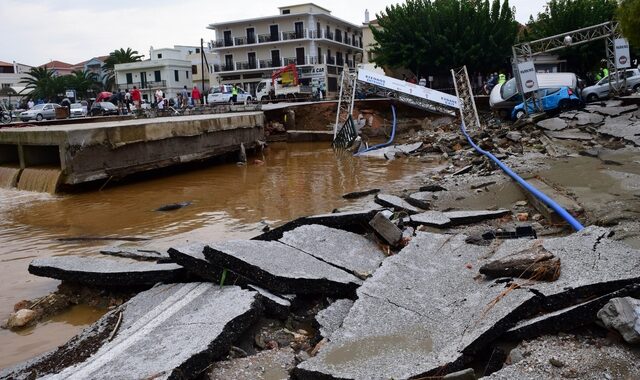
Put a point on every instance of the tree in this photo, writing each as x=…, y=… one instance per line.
x=43, y=83
x=435, y=36
x=82, y=82
x=562, y=16
x=116, y=57
x=629, y=17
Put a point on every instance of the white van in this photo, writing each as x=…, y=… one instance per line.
x=505, y=96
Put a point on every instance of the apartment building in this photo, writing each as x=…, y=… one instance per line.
x=10, y=76
x=199, y=77
x=305, y=34
x=166, y=69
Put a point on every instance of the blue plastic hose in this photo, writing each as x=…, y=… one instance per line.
x=393, y=135
x=537, y=193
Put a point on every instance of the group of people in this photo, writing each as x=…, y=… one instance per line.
x=414, y=79
x=127, y=99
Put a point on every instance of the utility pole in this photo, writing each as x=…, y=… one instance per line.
x=202, y=67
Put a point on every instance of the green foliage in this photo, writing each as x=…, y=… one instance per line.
x=629, y=17
x=45, y=84
x=116, y=57
x=434, y=36
x=562, y=16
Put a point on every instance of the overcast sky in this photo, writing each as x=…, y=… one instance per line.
x=34, y=32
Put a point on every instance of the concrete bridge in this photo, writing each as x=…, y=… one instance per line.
x=90, y=152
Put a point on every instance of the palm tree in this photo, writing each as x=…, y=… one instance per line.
x=43, y=83
x=82, y=82
x=116, y=57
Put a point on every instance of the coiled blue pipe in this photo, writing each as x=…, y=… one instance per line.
x=393, y=135
x=537, y=193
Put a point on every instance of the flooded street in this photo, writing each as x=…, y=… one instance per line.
x=228, y=201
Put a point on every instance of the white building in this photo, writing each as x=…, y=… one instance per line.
x=10, y=76
x=199, y=77
x=304, y=34
x=166, y=69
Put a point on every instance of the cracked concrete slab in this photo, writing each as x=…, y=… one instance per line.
x=445, y=219
x=397, y=203
x=585, y=118
x=569, y=135
x=106, y=271
x=167, y=332
x=191, y=257
x=281, y=268
x=612, y=110
x=266, y=365
x=349, y=220
x=553, y=124
x=622, y=126
x=406, y=315
x=330, y=318
x=421, y=199
x=346, y=250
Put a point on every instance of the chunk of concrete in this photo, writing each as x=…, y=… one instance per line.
x=106, y=271
x=332, y=316
x=21, y=318
x=387, y=230
x=280, y=268
x=613, y=110
x=274, y=305
x=397, y=203
x=136, y=253
x=191, y=257
x=167, y=332
x=348, y=251
x=585, y=118
x=553, y=124
x=474, y=216
x=390, y=152
x=622, y=126
x=403, y=321
x=623, y=315
x=421, y=199
x=350, y=220
x=431, y=219
x=568, y=135
x=265, y=365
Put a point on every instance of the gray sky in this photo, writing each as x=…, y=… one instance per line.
x=37, y=31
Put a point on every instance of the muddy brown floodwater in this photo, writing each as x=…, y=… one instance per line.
x=228, y=201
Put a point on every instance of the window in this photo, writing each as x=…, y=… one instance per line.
x=187, y=72
x=129, y=78
x=159, y=56
x=176, y=77
x=6, y=85
x=194, y=69
x=156, y=76
x=286, y=11
x=197, y=50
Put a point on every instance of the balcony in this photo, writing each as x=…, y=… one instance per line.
x=267, y=63
x=262, y=38
x=293, y=35
x=228, y=42
x=147, y=85
x=222, y=68
x=251, y=40
x=339, y=61
x=246, y=65
x=239, y=41
x=331, y=61
x=348, y=41
x=314, y=60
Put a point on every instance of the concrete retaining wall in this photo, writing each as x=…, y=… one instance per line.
x=94, y=151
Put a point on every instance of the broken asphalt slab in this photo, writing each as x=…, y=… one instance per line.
x=396, y=203
x=265, y=365
x=390, y=151
x=612, y=111
x=136, y=253
x=569, y=135
x=453, y=218
x=191, y=257
x=167, y=332
x=421, y=199
x=330, y=318
x=622, y=126
x=425, y=311
x=106, y=271
x=350, y=221
x=345, y=250
x=281, y=268
x=553, y=124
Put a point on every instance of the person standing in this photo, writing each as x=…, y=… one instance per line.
x=502, y=78
x=195, y=94
x=127, y=100
x=30, y=104
x=234, y=94
x=136, y=97
x=185, y=96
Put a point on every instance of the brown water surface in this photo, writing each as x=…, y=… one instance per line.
x=228, y=201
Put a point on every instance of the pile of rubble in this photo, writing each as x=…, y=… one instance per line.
x=394, y=291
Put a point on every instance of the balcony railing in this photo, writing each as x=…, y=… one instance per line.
x=267, y=38
x=290, y=60
x=314, y=60
x=347, y=41
x=147, y=85
x=239, y=41
x=335, y=63
x=331, y=61
x=294, y=35
x=339, y=61
x=228, y=42
x=221, y=68
x=251, y=40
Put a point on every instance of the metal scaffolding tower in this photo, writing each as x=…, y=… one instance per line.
x=468, y=111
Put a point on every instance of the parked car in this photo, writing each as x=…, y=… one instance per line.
x=222, y=94
x=103, y=109
x=552, y=99
x=77, y=110
x=40, y=111
x=601, y=89
x=505, y=96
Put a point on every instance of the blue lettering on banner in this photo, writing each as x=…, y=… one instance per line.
x=374, y=80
